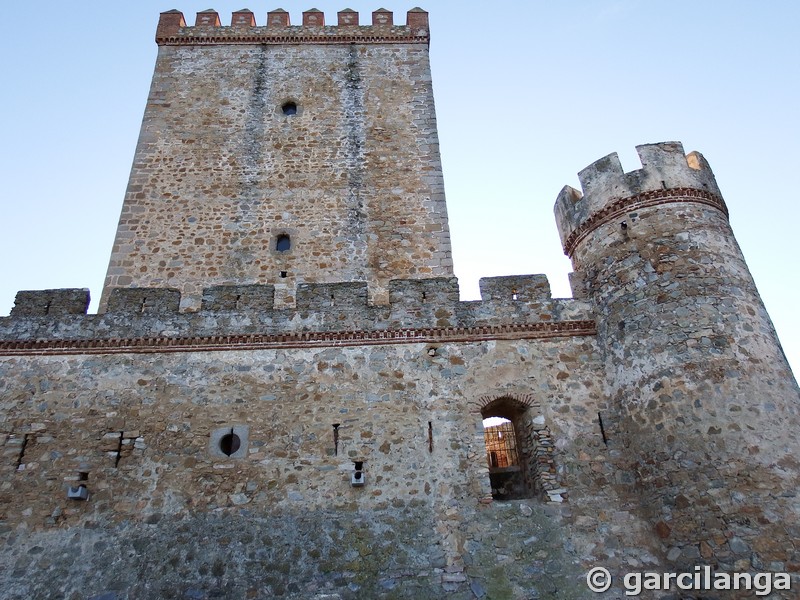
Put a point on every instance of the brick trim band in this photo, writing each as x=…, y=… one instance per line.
x=296, y=340
x=276, y=39
x=639, y=201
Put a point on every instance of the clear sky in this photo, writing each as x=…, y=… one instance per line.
x=527, y=94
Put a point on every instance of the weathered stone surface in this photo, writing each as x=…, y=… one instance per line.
x=51, y=303
x=702, y=398
x=284, y=396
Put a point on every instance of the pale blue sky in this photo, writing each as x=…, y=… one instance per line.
x=527, y=94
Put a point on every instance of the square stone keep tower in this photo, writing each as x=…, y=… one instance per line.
x=285, y=154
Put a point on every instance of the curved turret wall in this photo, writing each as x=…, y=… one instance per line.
x=702, y=395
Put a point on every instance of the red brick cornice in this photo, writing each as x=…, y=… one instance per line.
x=277, y=39
x=639, y=201
x=216, y=343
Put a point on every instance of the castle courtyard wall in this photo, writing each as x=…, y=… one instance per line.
x=141, y=428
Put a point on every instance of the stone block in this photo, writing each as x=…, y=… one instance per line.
x=239, y=297
x=321, y=296
x=439, y=292
x=131, y=301
x=228, y=442
x=51, y=303
x=515, y=288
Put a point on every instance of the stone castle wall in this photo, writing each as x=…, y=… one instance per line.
x=200, y=436
x=139, y=423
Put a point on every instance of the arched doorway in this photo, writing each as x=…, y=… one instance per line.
x=519, y=449
x=505, y=471
x=506, y=451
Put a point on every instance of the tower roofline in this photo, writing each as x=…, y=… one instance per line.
x=173, y=31
x=667, y=174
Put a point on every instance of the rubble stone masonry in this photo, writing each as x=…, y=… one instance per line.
x=282, y=395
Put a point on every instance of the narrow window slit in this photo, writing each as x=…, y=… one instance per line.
x=430, y=436
x=21, y=455
x=119, y=451
x=336, y=439
x=602, y=428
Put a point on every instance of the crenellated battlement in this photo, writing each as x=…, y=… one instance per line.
x=667, y=175
x=51, y=303
x=208, y=29
x=429, y=309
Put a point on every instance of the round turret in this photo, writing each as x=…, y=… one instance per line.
x=701, y=396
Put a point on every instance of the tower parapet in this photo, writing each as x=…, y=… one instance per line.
x=208, y=30
x=51, y=303
x=667, y=175
x=326, y=314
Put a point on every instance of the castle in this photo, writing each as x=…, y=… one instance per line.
x=283, y=397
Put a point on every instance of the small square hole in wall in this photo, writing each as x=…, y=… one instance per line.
x=357, y=477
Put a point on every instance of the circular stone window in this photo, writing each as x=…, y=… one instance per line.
x=229, y=444
x=289, y=108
